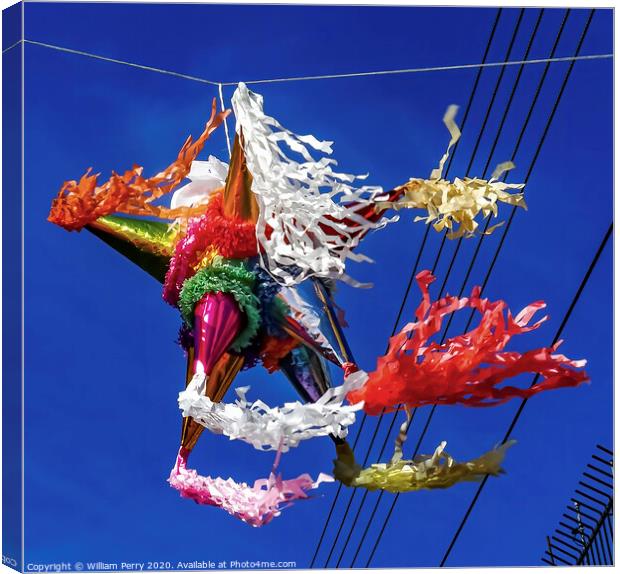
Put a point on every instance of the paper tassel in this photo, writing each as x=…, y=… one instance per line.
x=80, y=203
x=455, y=205
x=425, y=472
x=256, y=505
x=270, y=428
x=304, y=220
x=466, y=369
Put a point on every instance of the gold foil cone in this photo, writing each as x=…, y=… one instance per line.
x=218, y=383
x=239, y=201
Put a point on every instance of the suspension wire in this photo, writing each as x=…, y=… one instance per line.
x=401, y=309
x=305, y=78
x=121, y=62
x=477, y=143
x=223, y=106
x=534, y=160
x=12, y=46
x=418, y=70
x=515, y=419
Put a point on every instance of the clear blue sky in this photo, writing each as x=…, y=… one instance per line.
x=102, y=369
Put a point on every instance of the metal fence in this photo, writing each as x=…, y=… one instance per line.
x=585, y=535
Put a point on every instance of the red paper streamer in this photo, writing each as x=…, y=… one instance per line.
x=466, y=369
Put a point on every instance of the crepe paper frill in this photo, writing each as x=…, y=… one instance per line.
x=439, y=470
x=270, y=428
x=256, y=505
x=424, y=472
x=459, y=202
x=81, y=203
x=309, y=214
x=224, y=277
x=211, y=234
x=466, y=369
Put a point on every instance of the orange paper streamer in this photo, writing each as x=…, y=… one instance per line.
x=466, y=369
x=80, y=203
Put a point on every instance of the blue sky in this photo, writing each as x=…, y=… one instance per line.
x=102, y=369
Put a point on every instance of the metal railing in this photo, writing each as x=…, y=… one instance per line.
x=585, y=535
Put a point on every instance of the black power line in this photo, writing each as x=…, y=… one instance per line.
x=442, y=289
x=479, y=138
x=412, y=276
x=517, y=415
x=543, y=137
x=477, y=250
x=443, y=241
x=512, y=214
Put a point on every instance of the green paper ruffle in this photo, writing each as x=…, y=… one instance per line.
x=229, y=276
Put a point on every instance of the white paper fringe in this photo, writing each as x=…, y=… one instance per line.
x=305, y=203
x=271, y=428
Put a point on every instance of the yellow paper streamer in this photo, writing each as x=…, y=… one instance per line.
x=455, y=205
x=439, y=470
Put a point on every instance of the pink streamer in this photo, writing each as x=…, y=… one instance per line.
x=256, y=505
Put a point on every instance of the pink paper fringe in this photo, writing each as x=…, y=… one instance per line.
x=256, y=505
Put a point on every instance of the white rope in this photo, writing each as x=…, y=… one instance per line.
x=429, y=69
x=11, y=46
x=123, y=62
x=225, y=120
x=328, y=76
